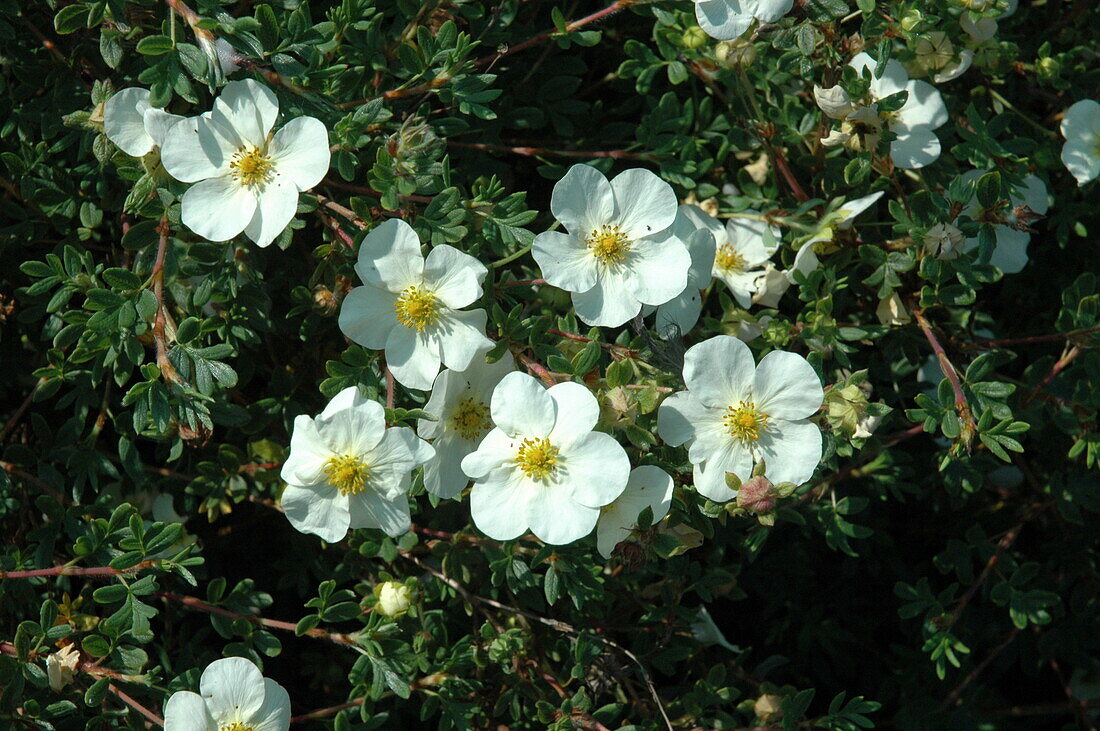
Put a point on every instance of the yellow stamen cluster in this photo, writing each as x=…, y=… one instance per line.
x=471, y=418
x=538, y=458
x=250, y=166
x=347, y=473
x=416, y=308
x=727, y=259
x=608, y=244
x=744, y=421
x=235, y=726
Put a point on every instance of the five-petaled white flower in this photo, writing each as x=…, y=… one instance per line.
x=741, y=255
x=862, y=123
x=1081, y=128
x=233, y=696
x=245, y=179
x=133, y=124
x=460, y=402
x=411, y=306
x=725, y=20
x=542, y=467
x=1011, y=222
x=620, y=251
x=648, y=487
x=347, y=470
x=734, y=415
x=838, y=222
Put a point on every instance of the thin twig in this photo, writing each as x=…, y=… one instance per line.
x=159, y=338
x=67, y=570
x=152, y=717
x=962, y=407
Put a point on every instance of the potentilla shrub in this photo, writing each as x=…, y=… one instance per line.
x=727, y=364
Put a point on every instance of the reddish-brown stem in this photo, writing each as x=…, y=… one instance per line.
x=152, y=717
x=78, y=571
x=337, y=230
x=19, y=412
x=546, y=152
x=197, y=604
x=522, y=282
x=159, y=338
x=344, y=211
x=391, y=387
x=788, y=176
x=606, y=346
x=326, y=712
x=954, y=695
x=363, y=190
x=1039, y=338
x=1068, y=357
x=962, y=407
x=544, y=375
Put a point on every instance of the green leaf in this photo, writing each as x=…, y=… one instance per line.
x=155, y=45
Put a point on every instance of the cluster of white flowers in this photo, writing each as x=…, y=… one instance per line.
x=246, y=179
x=233, y=696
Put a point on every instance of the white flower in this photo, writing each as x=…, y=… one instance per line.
x=838, y=222
x=620, y=251
x=943, y=241
x=834, y=101
x=725, y=20
x=916, y=144
x=460, y=402
x=734, y=415
x=347, y=470
x=412, y=307
x=741, y=255
x=135, y=126
x=542, y=467
x=770, y=288
x=1010, y=254
x=985, y=27
x=697, y=229
x=233, y=696
x=648, y=487
x=936, y=57
x=1081, y=128
x=61, y=667
x=394, y=598
x=245, y=179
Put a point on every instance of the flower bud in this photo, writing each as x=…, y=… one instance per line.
x=911, y=20
x=1048, y=69
x=694, y=37
x=757, y=495
x=61, y=666
x=768, y=707
x=734, y=54
x=394, y=598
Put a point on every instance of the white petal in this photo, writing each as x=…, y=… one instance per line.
x=644, y=204
x=413, y=358
x=791, y=450
x=596, y=469
x=747, y=238
x=277, y=204
x=217, y=208
x=710, y=476
x=389, y=257
x=678, y=418
x=805, y=261
x=308, y=454
x=124, y=121
x=521, y=406
x=786, y=387
x=556, y=518
x=443, y=475
x=1033, y=194
x=420, y=450
x=498, y=504
x=446, y=389
x=834, y=101
x=851, y=209
x=233, y=688
x=648, y=487
x=371, y=510
x=924, y=107
x=158, y=122
x=274, y=714
x=657, y=268
x=351, y=424
x=186, y=711
x=495, y=450
x=367, y=316
x=196, y=149
x=609, y=304
x=769, y=11
x=894, y=77
x=565, y=261
x=462, y=337
x=582, y=200
x=680, y=314
x=453, y=276
x=719, y=371
x=577, y=409
x=249, y=108
x=318, y=509
x=915, y=147
x=741, y=285
x=1010, y=254
x=300, y=152
x=722, y=19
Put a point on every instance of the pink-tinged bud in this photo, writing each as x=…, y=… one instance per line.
x=757, y=495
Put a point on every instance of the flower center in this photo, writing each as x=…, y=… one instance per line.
x=538, y=458
x=729, y=260
x=235, y=726
x=608, y=244
x=416, y=308
x=250, y=166
x=744, y=421
x=348, y=474
x=471, y=418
